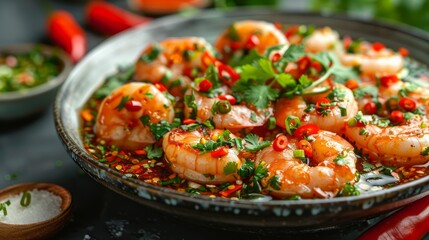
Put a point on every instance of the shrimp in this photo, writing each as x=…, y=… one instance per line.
x=246, y=35
x=340, y=105
x=192, y=164
x=169, y=60
x=370, y=61
x=240, y=116
x=118, y=121
x=323, y=39
x=400, y=145
x=332, y=166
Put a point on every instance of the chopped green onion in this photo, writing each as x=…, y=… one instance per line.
x=25, y=199
x=298, y=153
x=292, y=123
x=352, y=122
x=223, y=106
x=271, y=123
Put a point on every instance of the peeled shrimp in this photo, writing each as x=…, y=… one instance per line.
x=369, y=61
x=240, y=116
x=400, y=145
x=121, y=125
x=324, y=177
x=323, y=39
x=247, y=35
x=333, y=120
x=191, y=164
x=172, y=57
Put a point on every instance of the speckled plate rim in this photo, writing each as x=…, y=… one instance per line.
x=51, y=84
x=408, y=192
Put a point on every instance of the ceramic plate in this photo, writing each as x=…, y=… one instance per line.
x=123, y=49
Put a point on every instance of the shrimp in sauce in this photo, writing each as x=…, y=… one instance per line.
x=332, y=165
x=119, y=118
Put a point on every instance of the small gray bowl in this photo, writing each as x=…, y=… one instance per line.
x=21, y=104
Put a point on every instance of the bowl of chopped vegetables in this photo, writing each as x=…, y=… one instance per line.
x=30, y=75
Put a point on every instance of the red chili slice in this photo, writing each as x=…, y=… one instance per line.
x=322, y=104
x=280, y=143
x=306, y=146
x=187, y=121
x=133, y=105
x=227, y=74
x=377, y=46
x=160, y=87
x=231, y=99
x=219, y=152
x=306, y=130
x=389, y=80
x=408, y=104
x=396, y=117
x=205, y=85
x=352, y=84
x=370, y=108
x=252, y=41
x=403, y=52
x=228, y=192
x=207, y=59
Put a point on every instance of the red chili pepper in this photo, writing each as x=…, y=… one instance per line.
x=352, y=84
x=389, y=80
x=377, y=46
x=234, y=45
x=403, y=52
x=303, y=64
x=370, y=108
x=306, y=146
x=207, y=59
x=292, y=30
x=227, y=192
x=205, y=85
x=187, y=121
x=306, y=130
x=227, y=74
x=219, y=152
x=160, y=87
x=280, y=143
x=231, y=99
x=109, y=19
x=316, y=66
x=408, y=104
x=252, y=41
x=276, y=57
x=133, y=105
x=410, y=222
x=64, y=31
x=322, y=104
x=396, y=117
x=347, y=41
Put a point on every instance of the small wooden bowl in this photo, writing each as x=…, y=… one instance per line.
x=38, y=230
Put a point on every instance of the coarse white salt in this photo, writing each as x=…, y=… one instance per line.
x=44, y=205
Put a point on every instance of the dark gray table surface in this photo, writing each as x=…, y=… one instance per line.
x=30, y=151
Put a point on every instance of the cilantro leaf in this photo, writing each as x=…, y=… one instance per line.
x=274, y=182
x=153, y=151
x=261, y=70
x=253, y=144
x=163, y=127
x=190, y=103
x=364, y=91
x=230, y=168
x=259, y=95
x=246, y=169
